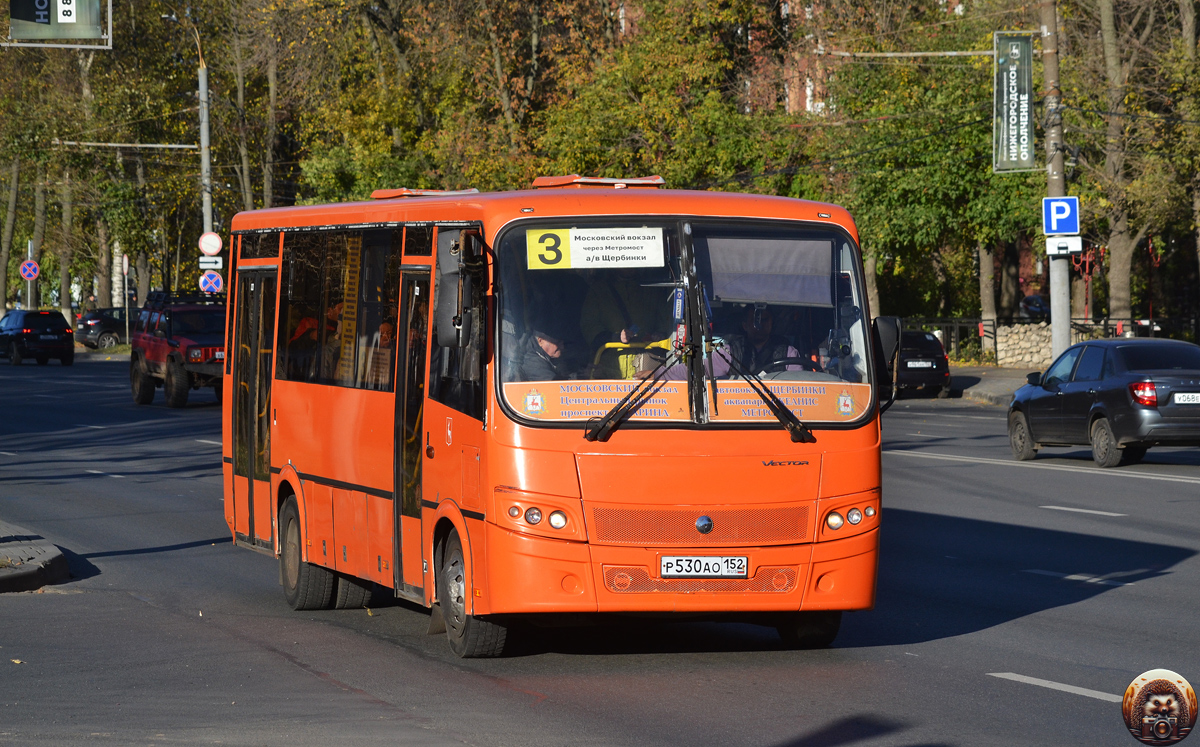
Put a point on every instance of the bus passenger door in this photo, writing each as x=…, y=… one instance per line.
x=408, y=571
x=254, y=347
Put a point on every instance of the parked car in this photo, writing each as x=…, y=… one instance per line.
x=40, y=335
x=1036, y=308
x=923, y=363
x=177, y=343
x=1122, y=396
x=102, y=328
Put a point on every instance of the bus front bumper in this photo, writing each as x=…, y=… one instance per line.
x=529, y=574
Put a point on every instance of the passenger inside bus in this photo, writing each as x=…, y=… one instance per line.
x=622, y=306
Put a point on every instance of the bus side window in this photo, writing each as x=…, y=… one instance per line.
x=300, y=307
x=456, y=374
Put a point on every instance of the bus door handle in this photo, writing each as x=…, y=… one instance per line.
x=428, y=446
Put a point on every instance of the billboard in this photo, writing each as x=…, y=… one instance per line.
x=41, y=20
x=1012, y=130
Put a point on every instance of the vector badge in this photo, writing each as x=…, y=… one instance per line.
x=1159, y=707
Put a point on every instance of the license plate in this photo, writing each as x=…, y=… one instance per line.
x=703, y=567
x=920, y=364
x=1187, y=398
x=220, y=355
x=49, y=337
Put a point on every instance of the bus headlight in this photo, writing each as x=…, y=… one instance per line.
x=558, y=519
x=834, y=520
x=533, y=515
x=870, y=511
x=854, y=516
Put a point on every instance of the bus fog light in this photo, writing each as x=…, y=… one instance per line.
x=854, y=516
x=558, y=519
x=533, y=515
x=834, y=520
x=514, y=511
x=869, y=511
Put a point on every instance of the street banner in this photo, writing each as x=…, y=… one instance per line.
x=54, y=19
x=1012, y=130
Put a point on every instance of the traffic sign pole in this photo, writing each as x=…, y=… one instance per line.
x=29, y=283
x=1056, y=185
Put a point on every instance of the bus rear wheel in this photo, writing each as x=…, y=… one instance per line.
x=351, y=593
x=809, y=629
x=470, y=636
x=305, y=586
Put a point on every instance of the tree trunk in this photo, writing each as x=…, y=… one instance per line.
x=39, y=229
x=870, y=264
x=1010, y=279
x=1078, y=296
x=1120, y=263
x=142, y=263
x=119, y=297
x=269, y=154
x=66, y=248
x=10, y=220
x=987, y=293
x=104, y=289
x=243, y=173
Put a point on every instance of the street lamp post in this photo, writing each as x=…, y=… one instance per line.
x=205, y=157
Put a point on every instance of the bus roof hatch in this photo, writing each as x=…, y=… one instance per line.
x=387, y=194
x=577, y=181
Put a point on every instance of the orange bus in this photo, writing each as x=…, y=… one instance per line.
x=593, y=396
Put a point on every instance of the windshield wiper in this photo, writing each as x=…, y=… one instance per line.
x=799, y=431
x=599, y=429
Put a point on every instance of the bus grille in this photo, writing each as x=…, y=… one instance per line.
x=731, y=526
x=633, y=579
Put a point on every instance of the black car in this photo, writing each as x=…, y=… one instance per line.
x=102, y=328
x=1121, y=396
x=923, y=363
x=40, y=335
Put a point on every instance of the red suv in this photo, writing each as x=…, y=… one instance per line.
x=178, y=343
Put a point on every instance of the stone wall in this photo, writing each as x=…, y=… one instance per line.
x=1024, y=346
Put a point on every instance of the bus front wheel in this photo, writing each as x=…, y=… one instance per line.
x=809, y=629
x=305, y=586
x=470, y=636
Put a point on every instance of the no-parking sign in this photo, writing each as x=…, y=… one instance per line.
x=211, y=282
x=30, y=269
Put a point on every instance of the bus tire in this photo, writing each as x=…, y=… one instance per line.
x=176, y=384
x=809, y=629
x=305, y=586
x=351, y=593
x=469, y=636
x=140, y=383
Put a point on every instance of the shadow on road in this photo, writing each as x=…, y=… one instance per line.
x=943, y=576
x=79, y=565
x=852, y=730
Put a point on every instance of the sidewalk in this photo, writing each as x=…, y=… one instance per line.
x=989, y=384
x=28, y=561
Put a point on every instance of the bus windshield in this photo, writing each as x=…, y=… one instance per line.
x=589, y=309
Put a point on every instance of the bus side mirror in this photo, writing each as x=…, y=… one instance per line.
x=459, y=254
x=885, y=334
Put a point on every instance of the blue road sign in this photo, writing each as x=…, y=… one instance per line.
x=30, y=269
x=1060, y=216
x=211, y=282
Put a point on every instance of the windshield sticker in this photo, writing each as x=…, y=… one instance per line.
x=810, y=401
x=578, y=248
x=580, y=400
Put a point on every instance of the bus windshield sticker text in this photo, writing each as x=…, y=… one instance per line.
x=576, y=248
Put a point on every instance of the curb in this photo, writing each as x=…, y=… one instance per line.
x=29, y=561
x=988, y=398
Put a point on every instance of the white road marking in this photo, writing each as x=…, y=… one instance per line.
x=98, y=472
x=1097, y=471
x=1109, y=697
x=8, y=453
x=925, y=435
x=48, y=396
x=97, y=427
x=1078, y=577
x=1082, y=510
x=202, y=441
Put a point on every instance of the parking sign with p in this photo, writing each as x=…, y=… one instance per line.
x=1060, y=216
